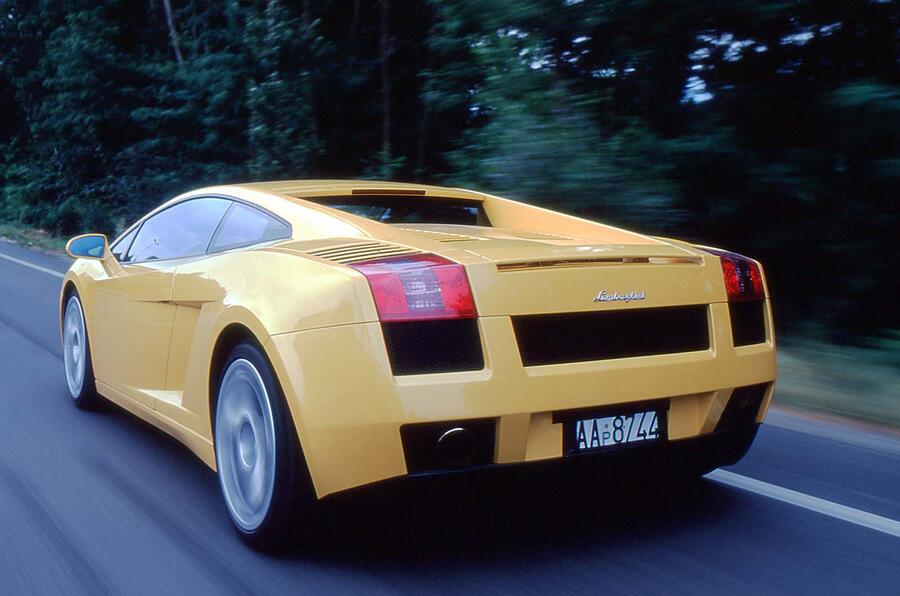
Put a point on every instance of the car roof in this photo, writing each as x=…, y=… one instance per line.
x=288, y=200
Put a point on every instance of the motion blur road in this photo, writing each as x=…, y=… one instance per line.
x=101, y=502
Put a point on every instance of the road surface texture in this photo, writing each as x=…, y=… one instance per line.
x=102, y=503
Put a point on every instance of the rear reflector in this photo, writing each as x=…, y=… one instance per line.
x=743, y=279
x=418, y=287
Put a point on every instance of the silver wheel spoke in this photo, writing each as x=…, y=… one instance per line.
x=245, y=444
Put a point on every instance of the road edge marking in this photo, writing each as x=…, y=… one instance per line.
x=33, y=266
x=805, y=501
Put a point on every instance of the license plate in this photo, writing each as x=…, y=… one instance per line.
x=614, y=431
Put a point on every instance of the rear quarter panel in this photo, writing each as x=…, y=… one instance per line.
x=268, y=291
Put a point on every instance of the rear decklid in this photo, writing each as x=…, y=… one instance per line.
x=516, y=272
x=511, y=249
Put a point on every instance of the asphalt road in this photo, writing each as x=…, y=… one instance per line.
x=102, y=503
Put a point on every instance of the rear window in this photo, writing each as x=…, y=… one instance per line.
x=407, y=209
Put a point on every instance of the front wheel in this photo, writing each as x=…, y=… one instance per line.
x=77, y=355
x=261, y=469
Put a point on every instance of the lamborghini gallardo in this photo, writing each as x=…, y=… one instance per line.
x=304, y=338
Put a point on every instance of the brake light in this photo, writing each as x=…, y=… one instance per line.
x=419, y=287
x=743, y=279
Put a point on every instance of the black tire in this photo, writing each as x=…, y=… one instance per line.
x=286, y=521
x=84, y=397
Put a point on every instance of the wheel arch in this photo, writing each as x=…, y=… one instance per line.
x=229, y=337
x=67, y=289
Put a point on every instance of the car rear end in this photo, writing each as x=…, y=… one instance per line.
x=505, y=350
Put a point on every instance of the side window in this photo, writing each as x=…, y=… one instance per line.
x=120, y=248
x=183, y=230
x=244, y=226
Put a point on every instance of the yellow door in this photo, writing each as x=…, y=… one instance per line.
x=132, y=326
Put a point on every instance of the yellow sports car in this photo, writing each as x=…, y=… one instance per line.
x=308, y=337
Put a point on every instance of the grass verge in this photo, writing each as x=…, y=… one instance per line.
x=32, y=238
x=857, y=382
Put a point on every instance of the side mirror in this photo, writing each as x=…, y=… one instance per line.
x=88, y=246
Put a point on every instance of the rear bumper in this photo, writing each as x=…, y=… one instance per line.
x=681, y=459
x=348, y=408
x=651, y=466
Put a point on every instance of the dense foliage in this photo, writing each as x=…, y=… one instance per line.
x=770, y=127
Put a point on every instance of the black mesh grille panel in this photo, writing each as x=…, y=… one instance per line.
x=580, y=337
x=747, y=322
x=420, y=347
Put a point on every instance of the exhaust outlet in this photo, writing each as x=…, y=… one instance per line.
x=455, y=447
x=448, y=444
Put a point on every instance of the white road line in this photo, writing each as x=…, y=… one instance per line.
x=786, y=495
x=32, y=266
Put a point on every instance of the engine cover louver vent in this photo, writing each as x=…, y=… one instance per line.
x=443, y=236
x=530, y=235
x=361, y=251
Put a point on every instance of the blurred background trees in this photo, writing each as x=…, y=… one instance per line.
x=769, y=127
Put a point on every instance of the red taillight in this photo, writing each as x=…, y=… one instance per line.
x=419, y=287
x=743, y=279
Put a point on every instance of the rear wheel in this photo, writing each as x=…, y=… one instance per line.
x=77, y=355
x=261, y=469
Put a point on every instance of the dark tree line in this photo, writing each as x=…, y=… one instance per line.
x=770, y=127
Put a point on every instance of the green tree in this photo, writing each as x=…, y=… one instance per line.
x=766, y=127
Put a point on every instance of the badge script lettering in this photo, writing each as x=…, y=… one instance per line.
x=604, y=296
